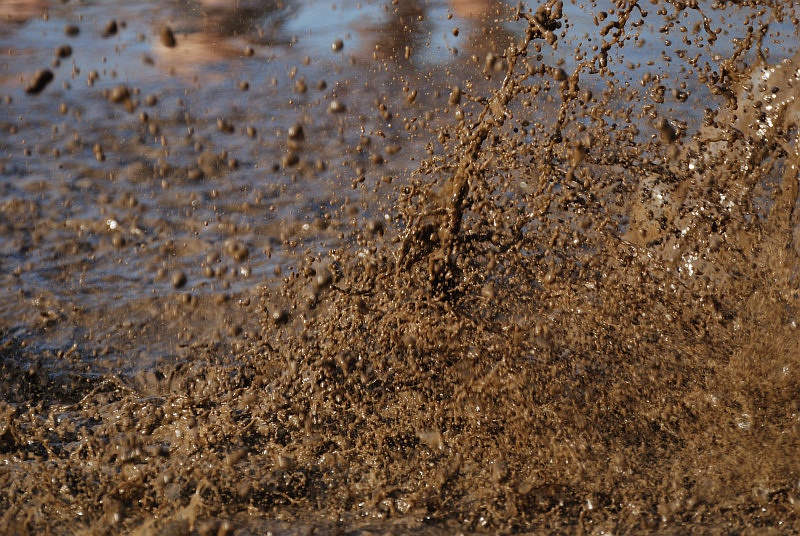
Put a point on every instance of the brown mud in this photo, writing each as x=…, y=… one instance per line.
x=577, y=313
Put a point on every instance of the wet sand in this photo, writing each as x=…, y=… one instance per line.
x=424, y=268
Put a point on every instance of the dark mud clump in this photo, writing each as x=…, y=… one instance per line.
x=583, y=319
x=39, y=81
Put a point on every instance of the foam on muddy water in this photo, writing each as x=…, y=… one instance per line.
x=578, y=312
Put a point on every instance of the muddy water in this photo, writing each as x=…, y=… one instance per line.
x=429, y=267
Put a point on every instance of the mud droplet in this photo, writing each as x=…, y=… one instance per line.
x=119, y=94
x=667, y=131
x=168, y=37
x=178, y=279
x=279, y=316
x=110, y=29
x=337, y=45
x=296, y=132
x=225, y=127
x=289, y=159
x=64, y=51
x=336, y=107
x=375, y=227
x=577, y=155
x=39, y=81
x=237, y=250
x=455, y=96
x=680, y=95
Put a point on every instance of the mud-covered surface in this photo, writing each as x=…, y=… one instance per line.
x=399, y=267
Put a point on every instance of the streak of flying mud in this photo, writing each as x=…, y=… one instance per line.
x=528, y=352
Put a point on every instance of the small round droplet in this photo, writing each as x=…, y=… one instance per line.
x=337, y=107
x=337, y=45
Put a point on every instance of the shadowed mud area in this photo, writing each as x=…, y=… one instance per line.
x=420, y=267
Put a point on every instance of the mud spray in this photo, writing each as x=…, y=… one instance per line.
x=580, y=315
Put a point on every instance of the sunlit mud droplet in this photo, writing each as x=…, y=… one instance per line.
x=337, y=107
x=296, y=132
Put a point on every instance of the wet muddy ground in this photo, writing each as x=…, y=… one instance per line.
x=399, y=267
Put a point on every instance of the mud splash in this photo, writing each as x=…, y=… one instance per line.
x=580, y=315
